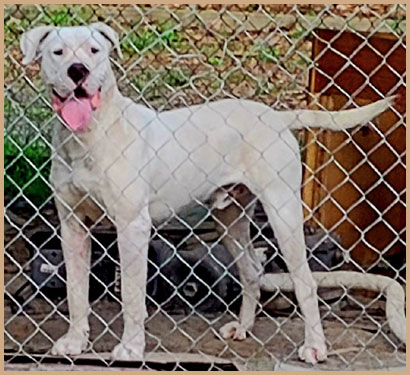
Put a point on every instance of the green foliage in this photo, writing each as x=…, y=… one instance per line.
x=10, y=110
x=215, y=61
x=60, y=18
x=176, y=77
x=69, y=16
x=135, y=42
x=39, y=114
x=17, y=119
x=395, y=24
x=171, y=38
x=26, y=160
x=268, y=54
x=14, y=30
x=26, y=168
x=298, y=34
x=154, y=39
x=152, y=82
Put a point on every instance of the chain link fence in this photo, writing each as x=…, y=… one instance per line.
x=287, y=57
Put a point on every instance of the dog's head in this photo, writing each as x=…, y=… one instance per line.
x=74, y=65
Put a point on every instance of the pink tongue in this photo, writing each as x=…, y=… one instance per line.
x=77, y=113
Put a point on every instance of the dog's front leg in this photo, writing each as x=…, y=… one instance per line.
x=133, y=239
x=76, y=245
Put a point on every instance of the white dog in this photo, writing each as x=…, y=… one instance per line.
x=140, y=167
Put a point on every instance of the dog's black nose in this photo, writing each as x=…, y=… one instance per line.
x=77, y=72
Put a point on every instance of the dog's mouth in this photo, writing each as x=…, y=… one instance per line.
x=76, y=109
x=78, y=93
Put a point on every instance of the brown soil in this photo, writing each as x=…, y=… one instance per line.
x=358, y=345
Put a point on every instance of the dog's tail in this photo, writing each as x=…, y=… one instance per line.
x=337, y=120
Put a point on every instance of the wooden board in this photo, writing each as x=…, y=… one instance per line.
x=103, y=362
x=356, y=186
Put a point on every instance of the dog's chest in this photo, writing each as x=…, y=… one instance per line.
x=87, y=175
x=84, y=168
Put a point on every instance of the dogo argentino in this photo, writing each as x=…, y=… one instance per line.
x=140, y=167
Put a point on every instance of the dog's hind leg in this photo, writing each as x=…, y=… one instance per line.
x=232, y=224
x=282, y=203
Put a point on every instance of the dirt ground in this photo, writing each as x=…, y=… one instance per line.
x=357, y=339
x=354, y=342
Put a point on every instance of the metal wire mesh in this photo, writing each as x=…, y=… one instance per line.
x=176, y=57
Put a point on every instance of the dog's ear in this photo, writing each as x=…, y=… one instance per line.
x=31, y=40
x=108, y=33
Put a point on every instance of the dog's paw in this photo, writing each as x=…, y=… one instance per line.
x=313, y=353
x=72, y=343
x=233, y=330
x=128, y=352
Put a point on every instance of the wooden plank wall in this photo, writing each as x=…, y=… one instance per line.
x=334, y=194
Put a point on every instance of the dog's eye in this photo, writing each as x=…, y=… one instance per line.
x=94, y=50
x=58, y=52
